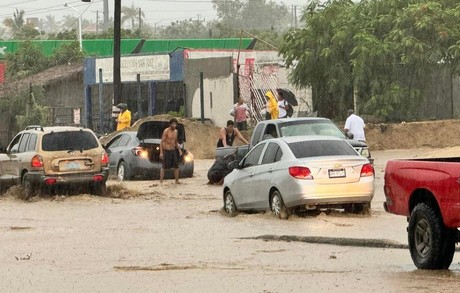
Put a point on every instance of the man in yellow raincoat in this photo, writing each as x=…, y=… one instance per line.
x=124, y=118
x=272, y=105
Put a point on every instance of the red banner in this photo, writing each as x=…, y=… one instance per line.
x=2, y=72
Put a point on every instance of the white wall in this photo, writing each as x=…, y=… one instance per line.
x=218, y=100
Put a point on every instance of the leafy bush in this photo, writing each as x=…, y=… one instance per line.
x=67, y=53
x=27, y=60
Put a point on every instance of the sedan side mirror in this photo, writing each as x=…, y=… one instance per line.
x=234, y=165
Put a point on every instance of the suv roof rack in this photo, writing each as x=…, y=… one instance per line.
x=35, y=127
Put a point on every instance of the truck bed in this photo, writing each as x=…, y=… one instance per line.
x=410, y=181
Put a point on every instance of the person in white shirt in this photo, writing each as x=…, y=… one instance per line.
x=282, y=105
x=355, y=125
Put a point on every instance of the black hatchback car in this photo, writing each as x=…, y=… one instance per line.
x=136, y=154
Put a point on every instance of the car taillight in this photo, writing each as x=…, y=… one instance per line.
x=105, y=158
x=37, y=161
x=50, y=181
x=300, y=172
x=367, y=170
x=98, y=178
x=140, y=151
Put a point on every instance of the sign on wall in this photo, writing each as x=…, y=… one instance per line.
x=154, y=67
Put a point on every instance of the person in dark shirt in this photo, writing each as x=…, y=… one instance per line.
x=228, y=134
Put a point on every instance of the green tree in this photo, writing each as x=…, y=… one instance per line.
x=377, y=49
x=252, y=14
x=27, y=60
x=67, y=53
x=184, y=29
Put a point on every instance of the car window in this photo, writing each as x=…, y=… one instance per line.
x=270, y=132
x=32, y=145
x=69, y=140
x=14, y=145
x=114, y=142
x=252, y=159
x=271, y=153
x=23, y=142
x=311, y=127
x=124, y=141
x=316, y=148
x=256, y=134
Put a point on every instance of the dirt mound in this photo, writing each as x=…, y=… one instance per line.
x=433, y=134
x=202, y=137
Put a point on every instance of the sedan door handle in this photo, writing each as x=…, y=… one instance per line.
x=270, y=170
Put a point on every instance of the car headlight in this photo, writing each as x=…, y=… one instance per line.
x=188, y=157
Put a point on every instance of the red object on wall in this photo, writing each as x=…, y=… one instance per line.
x=2, y=72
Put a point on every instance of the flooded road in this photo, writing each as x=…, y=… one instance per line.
x=174, y=238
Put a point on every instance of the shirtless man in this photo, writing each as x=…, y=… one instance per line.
x=170, y=150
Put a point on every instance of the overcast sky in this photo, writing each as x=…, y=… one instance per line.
x=159, y=12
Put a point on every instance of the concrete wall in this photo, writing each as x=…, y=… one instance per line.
x=218, y=86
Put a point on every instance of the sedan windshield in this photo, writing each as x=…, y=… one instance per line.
x=313, y=127
x=317, y=148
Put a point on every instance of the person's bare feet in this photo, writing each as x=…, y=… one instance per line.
x=178, y=182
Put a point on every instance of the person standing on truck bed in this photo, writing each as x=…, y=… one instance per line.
x=228, y=134
x=355, y=125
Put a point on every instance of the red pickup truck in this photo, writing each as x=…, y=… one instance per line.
x=427, y=192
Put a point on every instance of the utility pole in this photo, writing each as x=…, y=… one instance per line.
x=116, y=52
x=97, y=22
x=140, y=19
x=106, y=14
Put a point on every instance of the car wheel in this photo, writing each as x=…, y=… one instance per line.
x=123, y=172
x=99, y=189
x=27, y=187
x=229, y=204
x=277, y=206
x=429, y=242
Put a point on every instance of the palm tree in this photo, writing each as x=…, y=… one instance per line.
x=131, y=13
x=50, y=25
x=15, y=23
x=69, y=22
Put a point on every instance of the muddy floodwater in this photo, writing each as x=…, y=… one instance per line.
x=148, y=237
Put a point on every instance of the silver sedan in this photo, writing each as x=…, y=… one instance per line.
x=300, y=173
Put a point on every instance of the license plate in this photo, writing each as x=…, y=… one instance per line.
x=336, y=173
x=68, y=166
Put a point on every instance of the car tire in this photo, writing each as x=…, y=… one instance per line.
x=123, y=172
x=190, y=170
x=99, y=189
x=229, y=204
x=431, y=244
x=277, y=206
x=27, y=188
